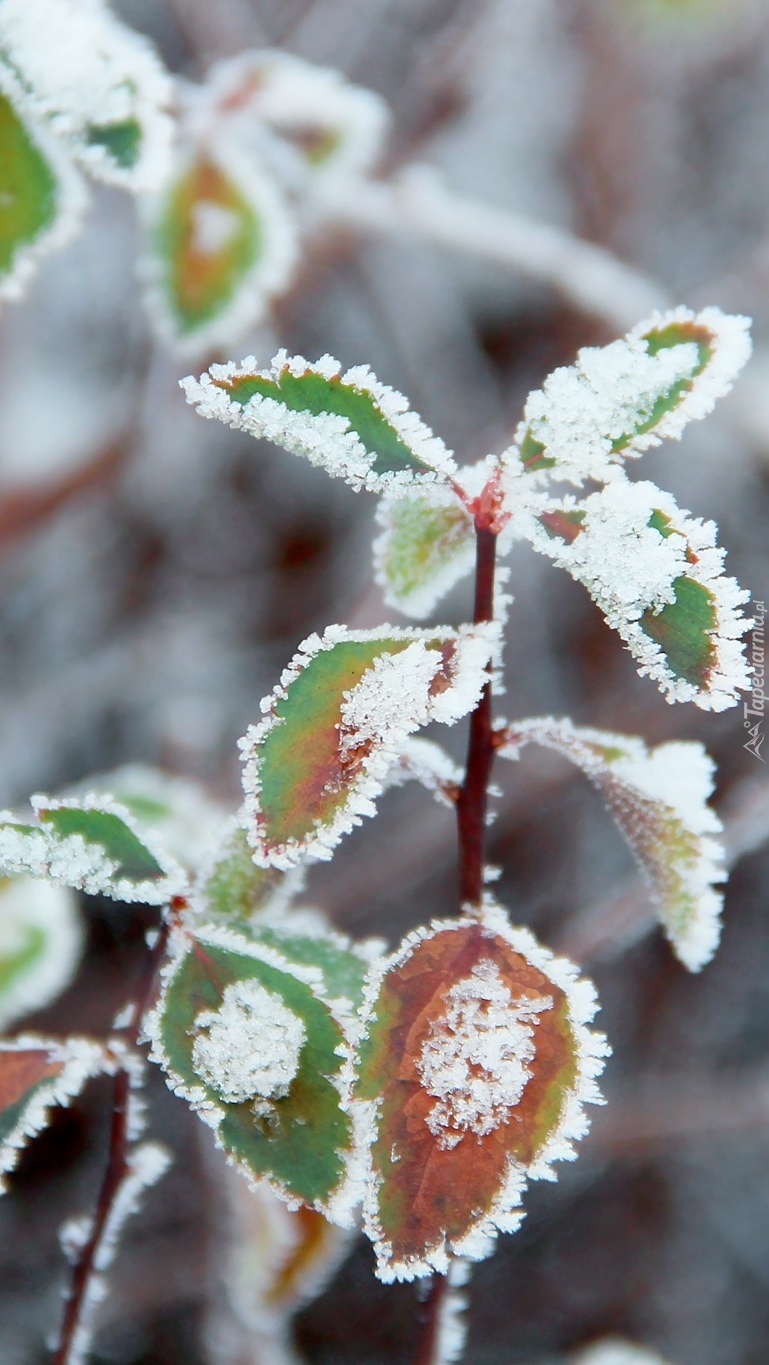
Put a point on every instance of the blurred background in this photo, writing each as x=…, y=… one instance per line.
x=158, y=571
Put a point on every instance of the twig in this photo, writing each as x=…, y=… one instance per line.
x=86, y=1265
x=430, y=1319
x=473, y=797
x=587, y=275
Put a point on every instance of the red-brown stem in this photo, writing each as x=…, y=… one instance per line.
x=472, y=804
x=430, y=1320
x=84, y=1268
x=473, y=796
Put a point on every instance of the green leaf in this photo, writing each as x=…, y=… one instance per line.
x=246, y=1039
x=473, y=1066
x=427, y=545
x=37, y=1074
x=40, y=192
x=657, y=574
x=350, y=424
x=91, y=845
x=235, y=890
x=221, y=244
x=336, y=725
x=659, y=799
x=305, y=939
x=40, y=945
x=616, y=401
x=98, y=85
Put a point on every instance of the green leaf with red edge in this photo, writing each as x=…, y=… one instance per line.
x=221, y=244
x=349, y=423
x=473, y=1065
x=658, y=798
x=41, y=194
x=246, y=1037
x=37, y=1074
x=337, y=722
x=426, y=545
x=92, y=845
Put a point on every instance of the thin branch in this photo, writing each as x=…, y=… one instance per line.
x=86, y=1265
x=587, y=275
x=430, y=1321
x=472, y=803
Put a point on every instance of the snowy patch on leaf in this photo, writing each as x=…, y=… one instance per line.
x=41, y=193
x=36, y=1074
x=249, y=1040
x=333, y=127
x=426, y=545
x=221, y=243
x=349, y=423
x=336, y=725
x=100, y=86
x=41, y=939
x=92, y=845
x=657, y=575
x=659, y=798
x=474, y=1066
x=618, y=400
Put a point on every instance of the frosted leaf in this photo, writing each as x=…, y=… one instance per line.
x=614, y=1351
x=346, y=704
x=659, y=798
x=476, y=1058
x=424, y=761
x=617, y=401
x=231, y=888
x=306, y=938
x=41, y=940
x=276, y=1258
x=249, y=1040
x=37, y=1074
x=657, y=575
x=349, y=423
x=42, y=194
x=334, y=127
x=221, y=243
x=100, y=86
x=426, y=545
x=250, y=1046
x=181, y=813
x=91, y=845
x=474, y=1064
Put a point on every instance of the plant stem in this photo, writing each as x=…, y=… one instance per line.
x=86, y=1267
x=429, y=1321
x=473, y=797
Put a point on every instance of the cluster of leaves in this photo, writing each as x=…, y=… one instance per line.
x=229, y=174
x=340, y=1073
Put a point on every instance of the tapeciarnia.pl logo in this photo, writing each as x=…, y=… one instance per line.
x=753, y=711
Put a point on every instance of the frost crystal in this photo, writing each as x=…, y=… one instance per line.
x=476, y=1058
x=250, y=1046
x=99, y=85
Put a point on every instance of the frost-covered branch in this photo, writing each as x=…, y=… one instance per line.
x=587, y=275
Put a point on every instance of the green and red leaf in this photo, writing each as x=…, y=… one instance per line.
x=473, y=1066
x=221, y=244
x=336, y=724
x=37, y=1074
x=659, y=799
x=246, y=1037
x=349, y=423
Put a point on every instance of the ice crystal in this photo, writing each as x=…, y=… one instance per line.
x=476, y=1058
x=250, y=1046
